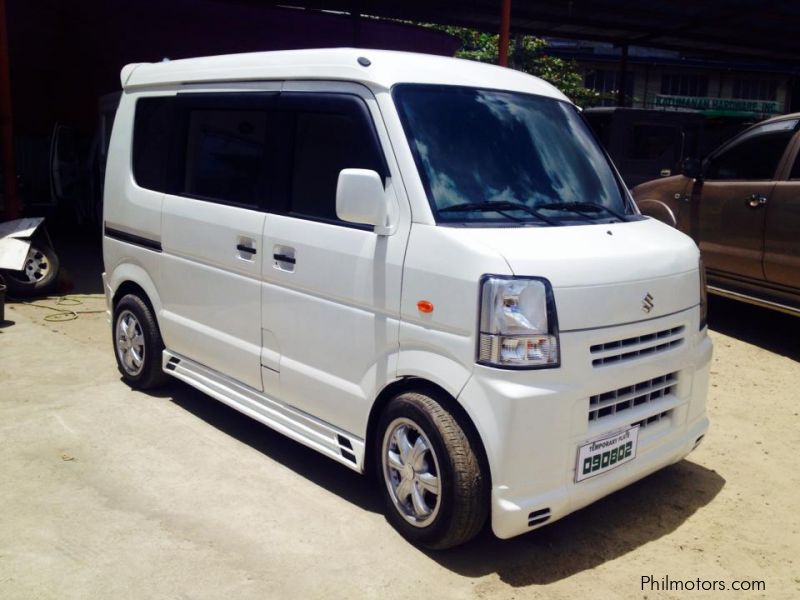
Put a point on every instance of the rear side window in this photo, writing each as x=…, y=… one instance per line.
x=255, y=150
x=225, y=155
x=754, y=155
x=152, y=129
x=328, y=133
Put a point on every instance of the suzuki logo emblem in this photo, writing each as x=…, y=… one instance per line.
x=647, y=303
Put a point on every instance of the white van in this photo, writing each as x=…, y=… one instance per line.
x=419, y=266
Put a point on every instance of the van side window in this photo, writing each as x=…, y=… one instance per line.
x=340, y=135
x=225, y=155
x=152, y=129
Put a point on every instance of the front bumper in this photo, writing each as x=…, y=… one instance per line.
x=532, y=422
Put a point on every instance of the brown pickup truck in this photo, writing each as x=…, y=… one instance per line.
x=742, y=207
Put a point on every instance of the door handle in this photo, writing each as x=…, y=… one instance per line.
x=245, y=249
x=284, y=258
x=756, y=201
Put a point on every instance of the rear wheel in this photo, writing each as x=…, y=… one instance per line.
x=137, y=343
x=435, y=491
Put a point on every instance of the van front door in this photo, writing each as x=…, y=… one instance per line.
x=331, y=289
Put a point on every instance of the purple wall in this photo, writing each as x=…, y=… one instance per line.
x=64, y=55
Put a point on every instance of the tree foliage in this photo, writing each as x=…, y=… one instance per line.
x=526, y=53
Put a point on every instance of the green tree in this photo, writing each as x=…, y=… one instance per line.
x=526, y=53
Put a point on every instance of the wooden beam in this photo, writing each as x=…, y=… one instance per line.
x=505, y=29
x=623, y=77
x=11, y=201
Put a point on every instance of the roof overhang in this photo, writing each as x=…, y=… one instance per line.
x=745, y=29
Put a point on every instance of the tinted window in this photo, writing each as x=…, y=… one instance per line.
x=753, y=155
x=796, y=169
x=152, y=128
x=602, y=126
x=324, y=144
x=225, y=155
x=654, y=141
x=474, y=146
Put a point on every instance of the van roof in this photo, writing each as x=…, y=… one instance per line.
x=386, y=69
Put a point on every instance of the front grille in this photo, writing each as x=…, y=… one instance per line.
x=654, y=419
x=636, y=347
x=616, y=401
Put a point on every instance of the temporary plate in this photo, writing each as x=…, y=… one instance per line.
x=603, y=454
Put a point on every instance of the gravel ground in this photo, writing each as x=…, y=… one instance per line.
x=110, y=493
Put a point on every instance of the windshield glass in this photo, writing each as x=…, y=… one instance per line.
x=475, y=146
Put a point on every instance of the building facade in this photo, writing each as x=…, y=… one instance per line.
x=668, y=80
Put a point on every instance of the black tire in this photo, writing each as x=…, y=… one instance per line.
x=39, y=275
x=149, y=374
x=463, y=502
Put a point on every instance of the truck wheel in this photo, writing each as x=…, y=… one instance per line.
x=38, y=275
x=435, y=490
x=137, y=343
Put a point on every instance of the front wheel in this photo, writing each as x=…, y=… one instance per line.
x=435, y=491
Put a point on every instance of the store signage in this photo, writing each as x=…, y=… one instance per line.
x=727, y=104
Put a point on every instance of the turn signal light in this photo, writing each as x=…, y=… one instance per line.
x=424, y=306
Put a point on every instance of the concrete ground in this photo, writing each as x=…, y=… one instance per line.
x=110, y=493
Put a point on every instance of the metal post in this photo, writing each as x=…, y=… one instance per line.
x=623, y=76
x=355, y=16
x=505, y=30
x=10, y=198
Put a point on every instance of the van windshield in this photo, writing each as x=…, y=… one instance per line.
x=533, y=156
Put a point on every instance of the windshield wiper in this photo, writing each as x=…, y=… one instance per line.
x=499, y=207
x=582, y=208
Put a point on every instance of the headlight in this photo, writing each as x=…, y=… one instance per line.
x=703, y=296
x=518, y=325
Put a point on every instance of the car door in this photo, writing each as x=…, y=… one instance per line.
x=331, y=297
x=728, y=206
x=213, y=220
x=782, y=232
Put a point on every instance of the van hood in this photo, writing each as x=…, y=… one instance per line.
x=602, y=273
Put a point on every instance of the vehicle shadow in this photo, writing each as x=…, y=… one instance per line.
x=608, y=529
x=767, y=329
x=304, y=461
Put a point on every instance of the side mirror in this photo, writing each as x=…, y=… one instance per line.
x=692, y=167
x=360, y=198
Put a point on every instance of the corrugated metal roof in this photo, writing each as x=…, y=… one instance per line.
x=754, y=29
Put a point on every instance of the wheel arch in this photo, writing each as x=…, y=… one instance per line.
x=658, y=209
x=445, y=398
x=132, y=279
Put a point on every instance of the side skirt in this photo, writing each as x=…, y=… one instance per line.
x=323, y=437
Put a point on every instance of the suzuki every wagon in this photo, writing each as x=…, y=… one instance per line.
x=421, y=267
